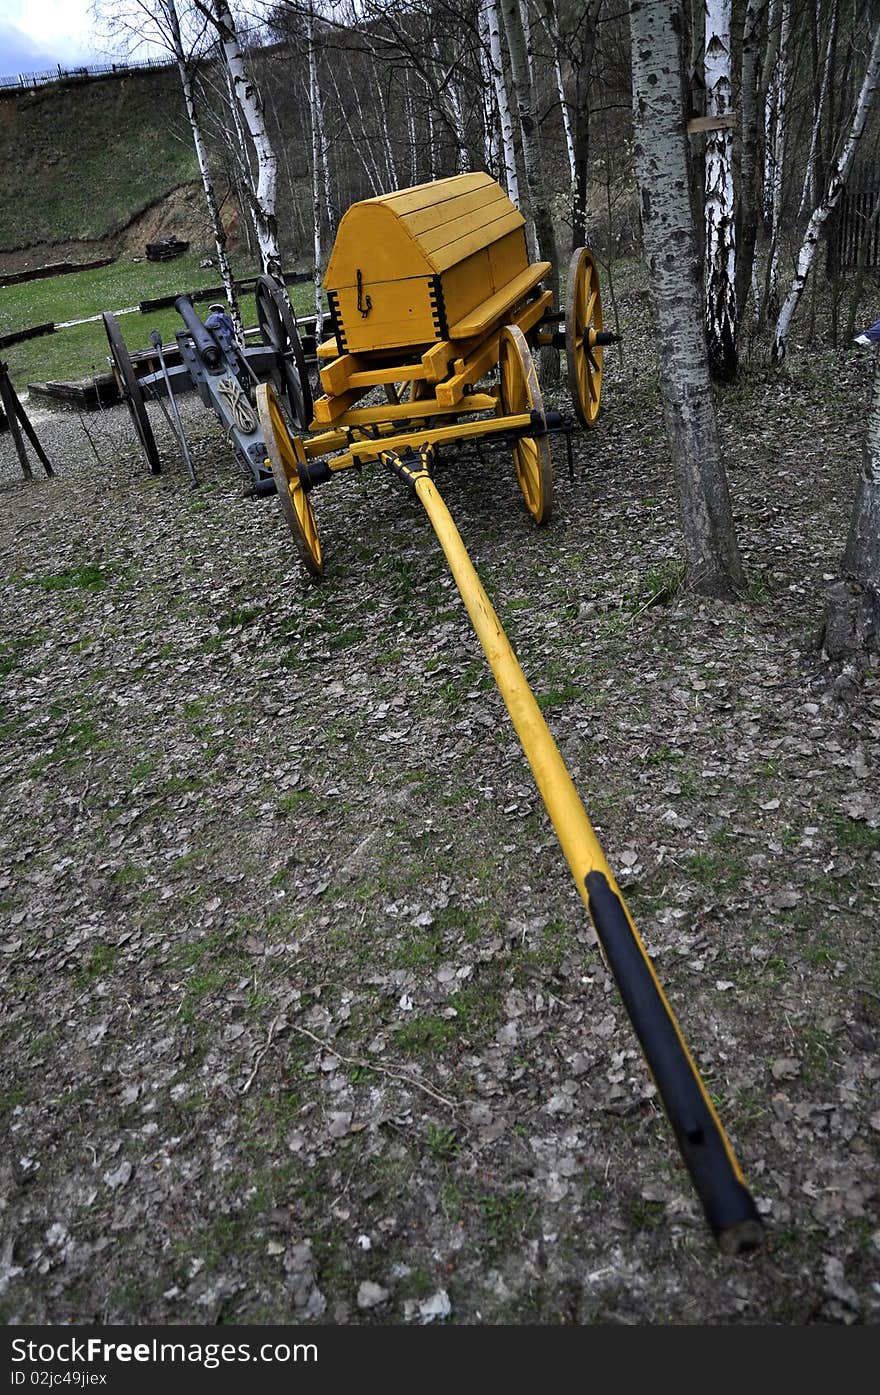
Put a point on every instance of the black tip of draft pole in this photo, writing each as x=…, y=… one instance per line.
x=727, y=1203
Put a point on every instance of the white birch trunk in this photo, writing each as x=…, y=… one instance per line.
x=550, y=24
x=808, y=193
x=251, y=107
x=711, y=553
x=411, y=133
x=836, y=185
x=720, y=235
x=526, y=18
x=779, y=143
x=491, y=142
x=432, y=141
x=748, y=208
x=543, y=236
x=464, y=162
x=490, y=10
x=314, y=104
x=770, y=72
x=170, y=10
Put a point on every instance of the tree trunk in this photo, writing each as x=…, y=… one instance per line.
x=251, y=108
x=711, y=553
x=170, y=9
x=720, y=228
x=852, y=617
x=490, y=11
x=836, y=185
x=539, y=209
x=539, y=212
x=747, y=221
x=317, y=169
x=811, y=183
x=770, y=307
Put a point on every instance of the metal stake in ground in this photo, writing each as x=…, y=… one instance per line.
x=18, y=418
x=156, y=341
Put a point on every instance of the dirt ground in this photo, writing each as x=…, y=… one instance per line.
x=302, y=1018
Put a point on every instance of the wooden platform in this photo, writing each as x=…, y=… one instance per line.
x=90, y=395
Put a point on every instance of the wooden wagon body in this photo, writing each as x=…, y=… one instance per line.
x=430, y=293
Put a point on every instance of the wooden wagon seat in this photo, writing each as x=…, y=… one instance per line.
x=440, y=261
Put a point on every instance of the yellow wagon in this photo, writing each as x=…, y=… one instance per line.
x=430, y=292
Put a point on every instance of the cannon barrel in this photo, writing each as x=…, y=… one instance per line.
x=208, y=349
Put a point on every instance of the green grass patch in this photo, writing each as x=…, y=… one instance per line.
x=80, y=352
x=90, y=576
x=855, y=836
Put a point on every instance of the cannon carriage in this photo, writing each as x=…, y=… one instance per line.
x=431, y=292
x=207, y=359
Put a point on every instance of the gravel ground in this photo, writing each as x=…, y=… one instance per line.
x=303, y=1020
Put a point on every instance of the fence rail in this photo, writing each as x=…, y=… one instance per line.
x=83, y=74
x=859, y=222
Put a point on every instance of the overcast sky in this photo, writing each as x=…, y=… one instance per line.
x=38, y=34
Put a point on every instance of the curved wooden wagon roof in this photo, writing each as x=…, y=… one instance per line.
x=437, y=262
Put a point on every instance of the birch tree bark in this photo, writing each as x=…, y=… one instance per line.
x=711, y=553
x=538, y=210
x=164, y=18
x=317, y=168
x=490, y=13
x=836, y=185
x=747, y=218
x=250, y=104
x=720, y=241
x=780, y=136
x=811, y=184
x=852, y=617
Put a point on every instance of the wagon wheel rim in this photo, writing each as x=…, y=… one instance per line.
x=521, y=392
x=278, y=329
x=583, y=322
x=285, y=456
x=131, y=392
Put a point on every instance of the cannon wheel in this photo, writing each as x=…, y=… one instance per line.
x=583, y=321
x=285, y=455
x=278, y=329
x=520, y=392
x=131, y=391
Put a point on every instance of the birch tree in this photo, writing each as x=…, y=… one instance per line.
x=837, y=183
x=711, y=553
x=489, y=14
x=747, y=215
x=720, y=239
x=317, y=131
x=778, y=135
x=162, y=21
x=247, y=96
x=538, y=209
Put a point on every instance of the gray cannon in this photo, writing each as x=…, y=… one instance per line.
x=210, y=361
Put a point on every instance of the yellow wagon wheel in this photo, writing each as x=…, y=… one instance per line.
x=583, y=321
x=285, y=455
x=520, y=392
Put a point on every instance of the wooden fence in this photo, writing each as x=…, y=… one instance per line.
x=858, y=223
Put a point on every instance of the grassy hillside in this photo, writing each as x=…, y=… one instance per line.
x=78, y=161
x=79, y=351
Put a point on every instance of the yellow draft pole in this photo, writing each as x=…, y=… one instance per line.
x=718, y=1179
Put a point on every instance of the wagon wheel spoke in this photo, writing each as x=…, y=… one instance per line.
x=583, y=321
x=521, y=392
x=279, y=330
